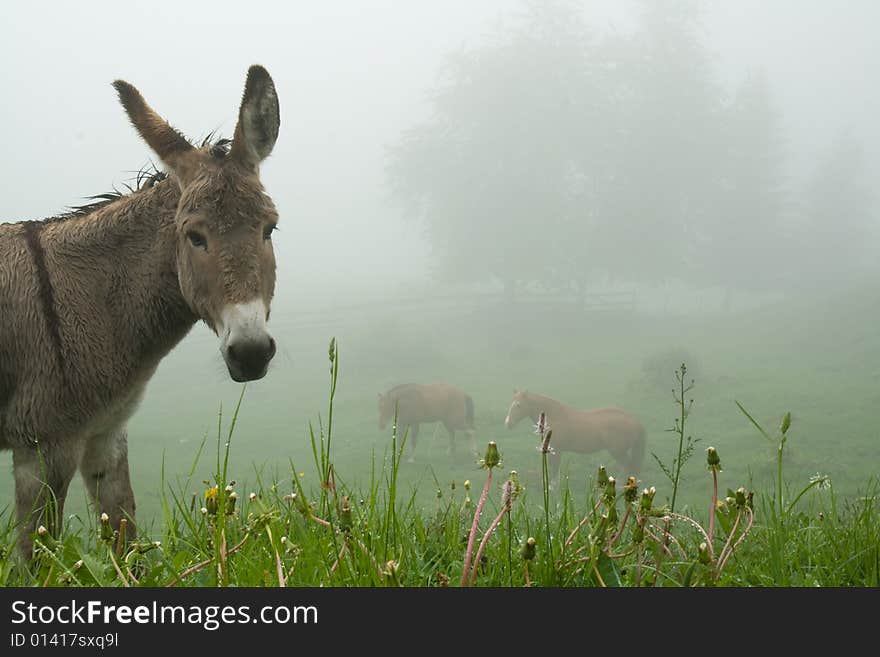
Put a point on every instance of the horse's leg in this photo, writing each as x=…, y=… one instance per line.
x=621, y=457
x=553, y=460
x=637, y=453
x=471, y=443
x=41, y=480
x=412, y=437
x=451, y=450
x=632, y=465
x=104, y=468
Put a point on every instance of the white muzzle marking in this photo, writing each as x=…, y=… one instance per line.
x=242, y=322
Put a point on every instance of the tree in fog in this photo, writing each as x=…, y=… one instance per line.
x=744, y=243
x=488, y=172
x=558, y=157
x=666, y=142
x=838, y=236
x=651, y=177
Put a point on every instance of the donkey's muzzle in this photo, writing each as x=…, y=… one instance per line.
x=248, y=359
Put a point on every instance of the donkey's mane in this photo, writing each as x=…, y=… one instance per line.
x=145, y=178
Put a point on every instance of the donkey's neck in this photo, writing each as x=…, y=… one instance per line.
x=113, y=279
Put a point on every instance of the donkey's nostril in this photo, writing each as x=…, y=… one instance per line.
x=248, y=359
x=232, y=352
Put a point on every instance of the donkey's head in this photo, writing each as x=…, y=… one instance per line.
x=225, y=261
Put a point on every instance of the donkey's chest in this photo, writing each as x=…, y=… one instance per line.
x=113, y=414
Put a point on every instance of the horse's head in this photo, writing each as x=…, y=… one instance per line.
x=386, y=410
x=518, y=408
x=224, y=222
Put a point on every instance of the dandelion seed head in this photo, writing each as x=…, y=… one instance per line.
x=822, y=482
x=507, y=493
x=542, y=426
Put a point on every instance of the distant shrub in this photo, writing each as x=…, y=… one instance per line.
x=659, y=368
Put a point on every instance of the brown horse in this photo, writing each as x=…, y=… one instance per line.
x=585, y=432
x=415, y=403
x=91, y=301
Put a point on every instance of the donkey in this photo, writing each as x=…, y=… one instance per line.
x=574, y=430
x=92, y=300
x=415, y=403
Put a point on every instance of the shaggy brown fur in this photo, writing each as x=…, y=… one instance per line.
x=90, y=302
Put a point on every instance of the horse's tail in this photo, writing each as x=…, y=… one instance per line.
x=637, y=452
x=468, y=412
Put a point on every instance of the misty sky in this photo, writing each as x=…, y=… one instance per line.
x=351, y=76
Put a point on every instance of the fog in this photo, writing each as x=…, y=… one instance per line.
x=565, y=195
x=352, y=78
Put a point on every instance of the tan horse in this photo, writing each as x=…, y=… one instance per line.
x=91, y=301
x=585, y=432
x=416, y=403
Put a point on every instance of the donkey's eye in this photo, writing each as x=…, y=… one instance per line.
x=268, y=230
x=197, y=239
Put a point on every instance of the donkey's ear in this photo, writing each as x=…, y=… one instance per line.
x=171, y=146
x=258, y=119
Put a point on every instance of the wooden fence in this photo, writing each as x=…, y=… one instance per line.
x=415, y=308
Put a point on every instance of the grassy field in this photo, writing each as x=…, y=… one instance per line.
x=821, y=362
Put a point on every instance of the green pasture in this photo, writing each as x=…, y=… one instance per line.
x=820, y=362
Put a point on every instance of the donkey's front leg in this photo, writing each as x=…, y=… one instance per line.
x=42, y=475
x=104, y=467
